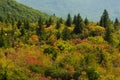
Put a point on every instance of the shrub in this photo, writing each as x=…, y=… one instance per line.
x=37, y=69
x=51, y=51
x=65, y=45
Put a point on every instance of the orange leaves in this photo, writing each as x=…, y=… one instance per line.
x=33, y=39
x=33, y=60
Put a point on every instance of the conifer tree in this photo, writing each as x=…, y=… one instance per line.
x=74, y=19
x=1, y=37
x=40, y=31
x=69, y=20
x=79, y=25
x=66, y=34
x=61, y=20
x=49, y=22
x=58, y=24
x=86, y=21
x=27, y=24
x=105, y=20
x=19, y=24
x=116, y=23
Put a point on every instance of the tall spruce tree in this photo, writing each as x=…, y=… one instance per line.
x=105, y=20
x=40, y=31
x=86, y=21
x=58, y=24
x=106, y=23
x=49, y=22
x=74, y=19
x=116, y=23
x=69, y=20
x=78, y=25
x=66, y=34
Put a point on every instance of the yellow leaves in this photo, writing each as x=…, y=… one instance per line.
x=97, y=30
x=34, y=39
x=83, y=73
x=97, y=40
x=5, y=63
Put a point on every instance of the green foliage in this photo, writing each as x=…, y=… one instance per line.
x=84, y=47
x=37, y=69
x=74, y=19
x=97, y=40
x=58, y=25
x=79, y=25
x=86, y=21
x=57, y=72
x=51, y=51
x=116, y=23
x=49, y=22
x=32, y=51
x=69, y=20
x=12, y=9
x=65, y=45
x=105, y=19
x=66, y=34
x=92, y=74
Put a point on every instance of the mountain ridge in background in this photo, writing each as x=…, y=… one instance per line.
x=15, y=10
x=87, y=8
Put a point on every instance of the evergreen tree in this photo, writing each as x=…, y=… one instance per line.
x=40, y=22
x=116, y=23
x=19, y=24
x=27, y=25
x=108, y=34
x=69, y=20
x=40, y=31
x=49, y=22
x=1, y=19
x=104, y=21
x=1, y=37
x=86, y=21
x=58, y=24
x=78, y=25
x=74, y=19
x=61, y=20
x=66, y=34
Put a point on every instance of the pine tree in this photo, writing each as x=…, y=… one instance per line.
x=108, y=34
x=86, y=21
x=66, y=34
x=74, y=19
x=116, y=23
x=58, y=24
x=69, y=20
x=40, y=22
x=40, y=31
x=1, y=37
x=79, y=25
x=61, y=20
x=49, y=22
x=19, y=24
x=105, y=20
x=27, y=24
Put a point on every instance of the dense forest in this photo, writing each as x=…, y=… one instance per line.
x=43, y=47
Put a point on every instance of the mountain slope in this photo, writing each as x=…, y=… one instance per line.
x=12, y=9
x=88, y=8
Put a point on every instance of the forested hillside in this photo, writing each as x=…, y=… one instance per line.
x=17, y=11
x=57, y=49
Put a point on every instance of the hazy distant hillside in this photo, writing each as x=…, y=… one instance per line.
x=87, y=8
x=13, y=9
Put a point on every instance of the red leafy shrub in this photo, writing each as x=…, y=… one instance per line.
x=33, y=60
